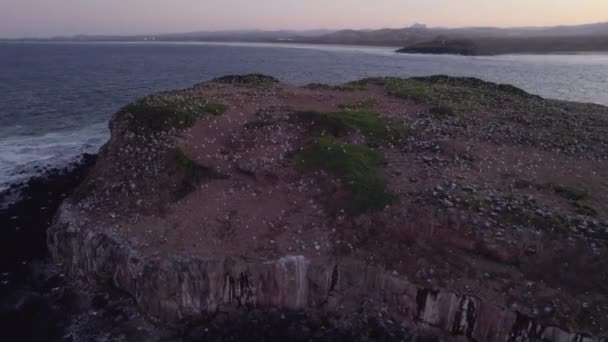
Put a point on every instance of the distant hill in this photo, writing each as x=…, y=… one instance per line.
x=598, y=29
x=417, y=38
x=478, y=40
x=227, y=35
x=420, y=33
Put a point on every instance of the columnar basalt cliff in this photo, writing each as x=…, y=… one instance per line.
x=183, y=287
x=437, y=203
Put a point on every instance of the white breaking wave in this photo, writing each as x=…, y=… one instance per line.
x=21, y=155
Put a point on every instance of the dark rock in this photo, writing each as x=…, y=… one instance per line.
x=23, y=223
x=28, y=311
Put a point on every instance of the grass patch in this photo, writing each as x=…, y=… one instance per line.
x=585, y=209
x=564, y=191
x=260, y=123
x=410, y=89
x=358, y=167
x=368, y=103
x=524, y=212
x=375, y=128
x=188, y=173
x=443, y=111
x=523, y=184
x=564, y=126
x=351, y=86
x=462, y=95
x=263, y=118
x=527, y=217
x=163, y=112
x=523, y=118
x=247, y=80
x=568, y=192
x=318, y=86
x=452, y=89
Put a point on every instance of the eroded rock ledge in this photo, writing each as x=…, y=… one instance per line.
x=182, y=287
x=445, y=204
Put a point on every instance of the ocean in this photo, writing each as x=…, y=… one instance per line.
x=56, y=98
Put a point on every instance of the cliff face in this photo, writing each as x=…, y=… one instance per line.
x=442, y=204
x=183, y=287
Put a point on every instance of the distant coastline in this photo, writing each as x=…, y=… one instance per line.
x=431, y=47
x=474, y=41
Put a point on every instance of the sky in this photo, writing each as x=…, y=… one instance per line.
x=43, y=18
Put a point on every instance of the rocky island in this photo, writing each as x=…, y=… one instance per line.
x=442, y=46
x=491, y=46
x=436, y=206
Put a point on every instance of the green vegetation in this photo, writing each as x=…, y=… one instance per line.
x=351, y=86
x=166, y=111
x=526, y=212
x=575, y=195
x=247, y=80
x=508, y=114
x=189, y=173
x=262, y=119
x=372, y=126
x=567, y=192
x=522, y=184
x=520, y=210
x=260, y=123
x=368, y=103
x=411, y=89
x=319, y=86
x=585, y=209
x=442, y=111
x=358, y=167
x=460, y=94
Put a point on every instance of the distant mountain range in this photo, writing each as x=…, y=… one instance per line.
x=227, y=35
x=420, y=33
x=416, y=38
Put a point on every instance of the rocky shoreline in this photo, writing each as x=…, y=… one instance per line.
x=28, y=278
x=28, y=208
x=37, y=301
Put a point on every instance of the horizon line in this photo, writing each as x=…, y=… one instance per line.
x=302, y=30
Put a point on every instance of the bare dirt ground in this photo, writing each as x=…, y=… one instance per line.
x=487, y=203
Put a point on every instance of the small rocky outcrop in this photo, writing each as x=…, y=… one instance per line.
x=450, y=206
x=443, y=46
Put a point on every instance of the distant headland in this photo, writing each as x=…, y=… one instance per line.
x=417, y=38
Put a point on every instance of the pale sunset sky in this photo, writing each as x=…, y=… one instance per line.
x=43, y=18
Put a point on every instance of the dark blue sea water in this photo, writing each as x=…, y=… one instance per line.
x=55, y=99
